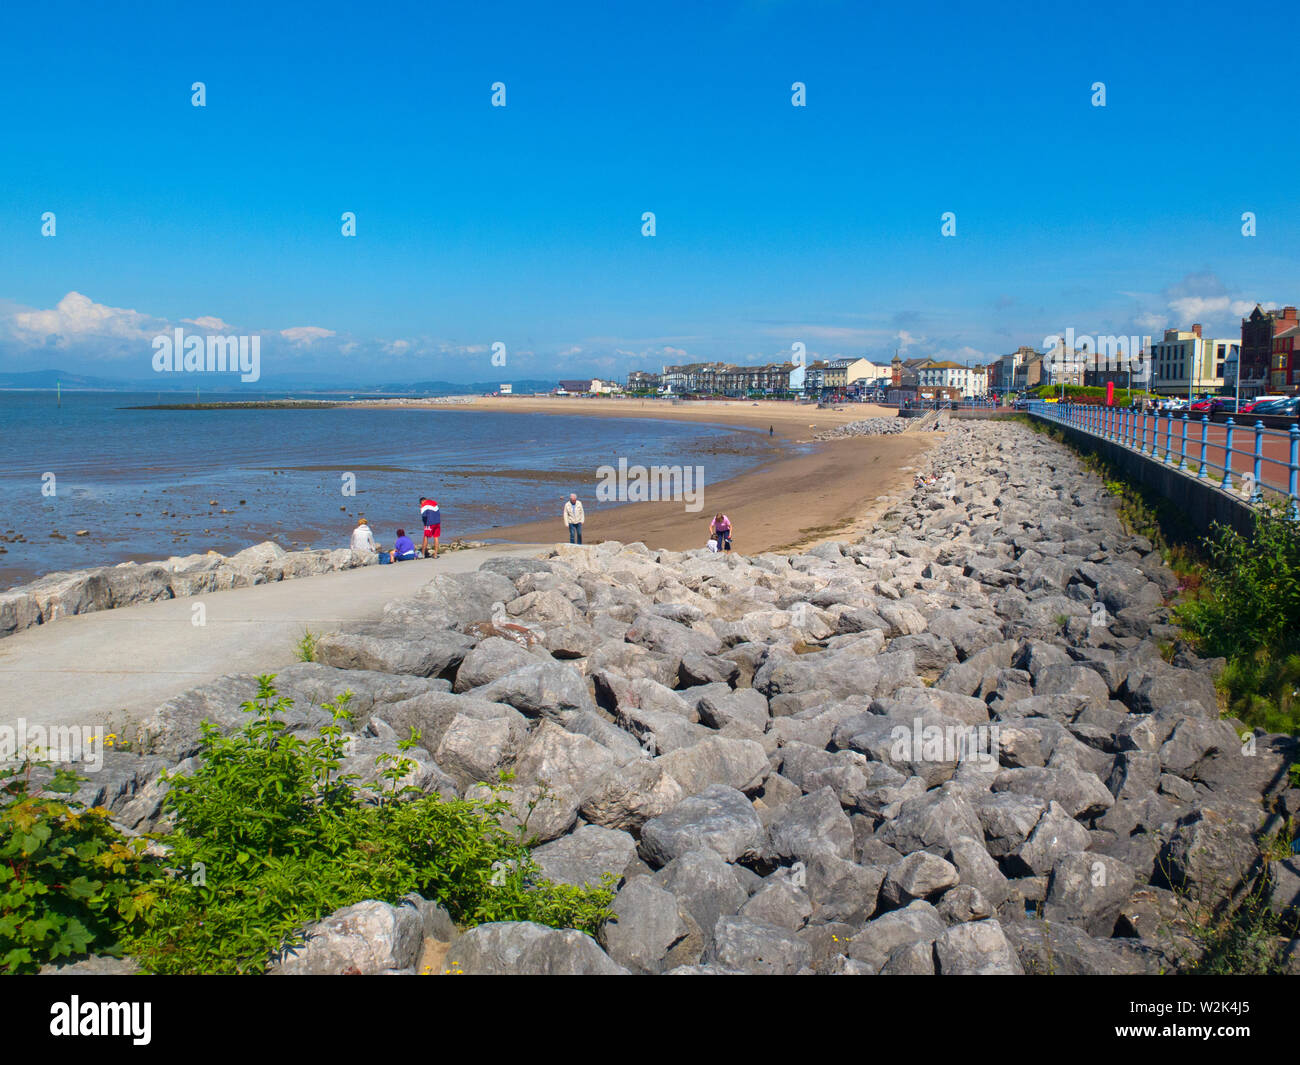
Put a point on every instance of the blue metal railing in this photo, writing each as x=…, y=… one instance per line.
x=1166, y=437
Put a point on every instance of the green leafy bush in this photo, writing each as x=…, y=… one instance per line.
x=69, y=881
x=270, y=836
x=1247, y=610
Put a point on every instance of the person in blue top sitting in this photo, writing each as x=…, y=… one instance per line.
x=404, y=549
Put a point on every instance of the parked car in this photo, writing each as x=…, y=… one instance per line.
x=1253, y=406
x=1223, y=405
x=1285, y=408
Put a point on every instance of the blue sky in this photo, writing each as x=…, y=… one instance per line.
x=522, y=224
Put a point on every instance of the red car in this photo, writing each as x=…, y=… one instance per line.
x=1249, y=408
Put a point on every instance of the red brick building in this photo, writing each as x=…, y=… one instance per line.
x=1257, y=334
x=1285, y=375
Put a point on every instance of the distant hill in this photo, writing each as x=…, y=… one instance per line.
x=51, y=378
x=216, y=382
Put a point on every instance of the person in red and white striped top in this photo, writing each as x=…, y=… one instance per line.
x=431, y=517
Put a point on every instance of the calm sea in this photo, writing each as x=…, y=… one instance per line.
x=147, y=484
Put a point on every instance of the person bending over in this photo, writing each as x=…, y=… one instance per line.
x=720, y=530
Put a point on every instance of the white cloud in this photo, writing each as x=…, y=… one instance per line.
x=78, y=318
x=208, y=322
x=305, y=334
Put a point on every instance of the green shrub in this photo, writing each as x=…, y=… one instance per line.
x=1247, y=610
x=269, y=836
x=69, y=881
x=305, y=648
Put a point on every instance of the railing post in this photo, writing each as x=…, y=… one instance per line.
x=1182, y=461
x=1205, y=432
x=1257, y=495
x=1169, y=437
x=1293, y=505
x=1226, y=483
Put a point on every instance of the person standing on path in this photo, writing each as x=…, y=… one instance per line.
x=431, y=517
x=573, y=518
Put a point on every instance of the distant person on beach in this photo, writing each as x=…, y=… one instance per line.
x=404, y=548
x=363, y=539
x=431, y=518
x=720, y=530
x=573, y=518
x=770, y=431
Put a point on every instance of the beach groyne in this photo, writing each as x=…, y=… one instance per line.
x=968, y=742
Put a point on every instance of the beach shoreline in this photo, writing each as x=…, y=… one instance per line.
x=793, y=499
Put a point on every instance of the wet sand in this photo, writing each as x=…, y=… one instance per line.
x=791, y=500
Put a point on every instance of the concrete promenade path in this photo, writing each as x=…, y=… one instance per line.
x=115, y=666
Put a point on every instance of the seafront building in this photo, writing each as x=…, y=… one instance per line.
x=1182, y=362
x=970, y=382
x=1258, y=331
x=1285, y=374
x=1186, y=362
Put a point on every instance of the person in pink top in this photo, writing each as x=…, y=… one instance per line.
x=720, y=530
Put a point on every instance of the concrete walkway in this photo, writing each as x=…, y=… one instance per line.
x=114, y=666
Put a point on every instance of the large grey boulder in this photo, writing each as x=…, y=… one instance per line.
x=738, y=763
x=1081, y=793
x=1056, y=835
x=540, y=689
x=705, y=887
x=1088, y=889
x=719, y=818
x=747, y=945
x=779, y=902
x=810, y=825
x=919, y=875
x=522, y=948
x=917, y=923
x=387, y=647
x=976, y=948
x=490, y=659
x=366, y=939
x=585, y=855
x=631, y=794
x=933, y=821
x=644, y=927
x=1211, y=851
x=1053, y=948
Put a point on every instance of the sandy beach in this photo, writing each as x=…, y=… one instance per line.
x=791, y=500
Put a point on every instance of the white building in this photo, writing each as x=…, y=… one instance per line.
x=1186, y=362
x=970, y=381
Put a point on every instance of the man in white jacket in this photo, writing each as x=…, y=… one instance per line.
x=573, y=518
